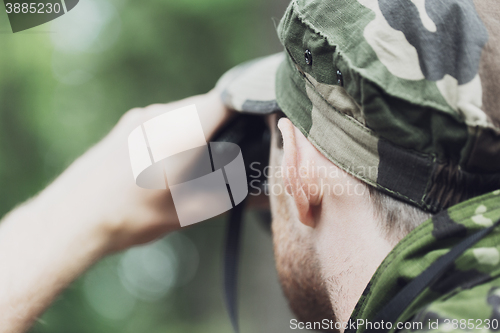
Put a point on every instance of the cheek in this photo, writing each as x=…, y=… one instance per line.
x=276, y=200
x=280, y=216
x=283, y=226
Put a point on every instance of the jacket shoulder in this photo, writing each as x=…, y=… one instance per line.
x=474, y=310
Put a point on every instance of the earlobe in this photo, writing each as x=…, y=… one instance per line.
x=295, y=181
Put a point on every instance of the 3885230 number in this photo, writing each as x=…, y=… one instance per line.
x=32, y=8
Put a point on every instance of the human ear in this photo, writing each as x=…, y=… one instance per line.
x=300, y=183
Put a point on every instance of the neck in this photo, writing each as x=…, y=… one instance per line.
x=350, y=247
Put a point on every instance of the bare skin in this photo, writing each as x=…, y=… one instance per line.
x=327, y=242
x=327, y=245
x=93, y=209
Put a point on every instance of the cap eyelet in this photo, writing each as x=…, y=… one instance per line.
x=308, y=57
x=340, y=78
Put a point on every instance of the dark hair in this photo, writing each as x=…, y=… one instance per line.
x=452, y=185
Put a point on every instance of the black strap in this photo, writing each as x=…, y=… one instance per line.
x=393, y=310
x=231, y=262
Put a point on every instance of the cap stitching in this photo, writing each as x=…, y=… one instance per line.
x=420, y=203
x=346, y=169
x=421, y=102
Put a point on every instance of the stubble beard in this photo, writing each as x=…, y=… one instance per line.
x=298, y=268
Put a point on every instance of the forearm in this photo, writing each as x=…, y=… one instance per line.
x=92, y=209
x=40, y=254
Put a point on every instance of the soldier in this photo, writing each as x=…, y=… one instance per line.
x=401, y=95
x=385, y=134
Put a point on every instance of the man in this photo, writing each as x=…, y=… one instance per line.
x=402, y=95
x=386, y=153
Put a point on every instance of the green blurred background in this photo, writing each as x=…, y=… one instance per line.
x=64, y=84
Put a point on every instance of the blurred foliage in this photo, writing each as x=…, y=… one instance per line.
x=64, y=84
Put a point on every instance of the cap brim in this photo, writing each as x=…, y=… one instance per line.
x=250, y=87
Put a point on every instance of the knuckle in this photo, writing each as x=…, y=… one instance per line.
x=133, y=117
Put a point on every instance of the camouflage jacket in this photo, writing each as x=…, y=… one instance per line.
x=467, y=297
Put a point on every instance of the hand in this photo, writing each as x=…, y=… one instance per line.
x=92, y=209
x=98, y=190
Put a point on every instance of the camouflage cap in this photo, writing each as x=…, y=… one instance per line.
x=404, y=95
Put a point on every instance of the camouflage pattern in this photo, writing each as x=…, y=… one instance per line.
x=405, y=96
x=392, y=85
x=250, y=87
x=406, y=88
x=471, y=288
